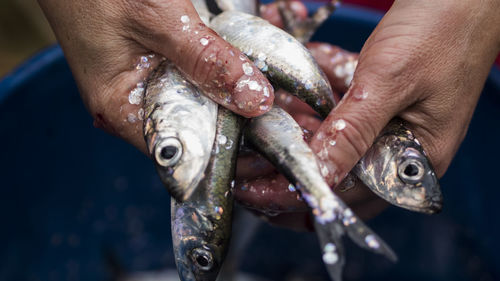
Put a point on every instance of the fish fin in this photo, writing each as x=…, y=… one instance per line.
x=332, y=249
x=366, y=238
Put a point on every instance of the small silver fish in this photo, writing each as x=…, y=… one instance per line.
x=201, y=225
x=397, y=169
x=179, y=129
x=284, y=60
x=280, y=139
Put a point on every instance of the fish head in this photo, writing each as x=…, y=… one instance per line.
x=397, y=170
x=418, y=188
x=197, y=254
x=180, y=159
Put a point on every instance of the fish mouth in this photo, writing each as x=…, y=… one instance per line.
x=432, y=206
x=178, y=190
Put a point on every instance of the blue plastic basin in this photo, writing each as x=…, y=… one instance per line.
x=69, y=191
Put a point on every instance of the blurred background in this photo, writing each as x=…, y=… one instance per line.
x=23, y=31
x=72, y=196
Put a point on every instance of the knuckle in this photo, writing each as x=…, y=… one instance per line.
x=359, y=136
x=206, y=63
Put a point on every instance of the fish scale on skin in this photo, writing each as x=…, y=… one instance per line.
x=179, y=129
x=284, y=60
x=201, y=225
x=291, y=155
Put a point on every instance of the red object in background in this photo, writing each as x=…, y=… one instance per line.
x=382, y=5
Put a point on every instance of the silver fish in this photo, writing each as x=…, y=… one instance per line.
x=397, y=169
x=284, y=60
x=201, y=225
x=202, y=10
x=179, y=129
x=250, y=7
x=280, y=139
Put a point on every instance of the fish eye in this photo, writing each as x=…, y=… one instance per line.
x=203, y=259
x=168, y=152
x=411, y=171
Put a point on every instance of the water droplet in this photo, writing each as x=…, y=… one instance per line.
x=330, y=257
x=372, y=242
x=143, y=63
x=325, y=48
x=131, y=118
x=135, y=96
x=184, y=19
x=291, y=188
x=330, y=247
x=247, y=69
x=360, y=94
x=204, y=41
x=222, y=139
x=332, y=142
x=266, y=92
x=339, y=125
x=140, y=114
x=253, y=85
x=243, y=57
x=339, y=71
x=229, y=144
x=232, y=183
x=264, y=107
x=308, y=85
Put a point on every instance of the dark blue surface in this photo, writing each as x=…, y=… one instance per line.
x=70, y=191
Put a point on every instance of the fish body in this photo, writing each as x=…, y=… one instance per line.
x=397, y=169
x=280, y=139
x=284, y=60
x=250, y=7
x=202, y=10
x=201, y=225
x=179, y=129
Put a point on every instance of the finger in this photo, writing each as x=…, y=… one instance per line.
x=338, y=64
x=374, y=98
x=271, y=12
x=251, y=166
x=292, y=104
x=173, y=29
x=269, y=194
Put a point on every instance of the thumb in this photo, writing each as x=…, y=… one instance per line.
x=173, y=29
x=350, y=129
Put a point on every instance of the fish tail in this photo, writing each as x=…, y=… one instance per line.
x=330, y=237
x=367, y=239
x=332, y=249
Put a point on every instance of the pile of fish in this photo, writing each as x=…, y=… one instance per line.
x=194, y=144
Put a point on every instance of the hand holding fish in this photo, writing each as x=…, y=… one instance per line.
x=425, y=63
x=112, y=46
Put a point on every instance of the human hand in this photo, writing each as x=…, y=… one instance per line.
x=414, y=66
x=113, y=45
x=426, y=62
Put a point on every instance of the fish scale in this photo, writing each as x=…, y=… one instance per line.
x=179, y=129
x=284, y=60
x=201, y=225
x=292, y=156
